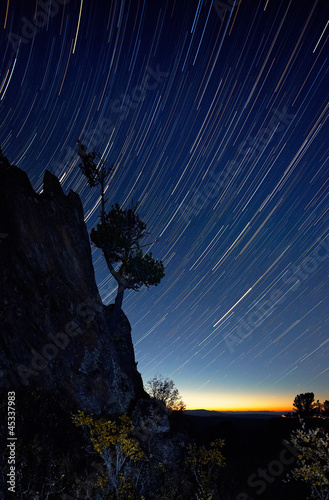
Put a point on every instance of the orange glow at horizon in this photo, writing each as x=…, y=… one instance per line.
x=214, y=401
x=283, y=410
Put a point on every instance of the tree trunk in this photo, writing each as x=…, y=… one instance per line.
x=117, y=306
x=119, y=298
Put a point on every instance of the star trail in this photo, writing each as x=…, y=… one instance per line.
x=214, y=115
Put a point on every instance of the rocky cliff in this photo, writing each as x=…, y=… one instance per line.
x=54, y=329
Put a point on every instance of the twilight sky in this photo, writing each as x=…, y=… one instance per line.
x=215, y=116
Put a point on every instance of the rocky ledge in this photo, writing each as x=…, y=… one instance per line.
x=54, y=329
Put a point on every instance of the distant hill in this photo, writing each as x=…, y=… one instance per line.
x=230, y=414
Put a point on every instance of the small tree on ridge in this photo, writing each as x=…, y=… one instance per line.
x=164, y=390
x=304, y=404
x=118, y=236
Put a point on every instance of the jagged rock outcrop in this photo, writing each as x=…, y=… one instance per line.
x=150, y=417
x=152, y=428
x=54, y=329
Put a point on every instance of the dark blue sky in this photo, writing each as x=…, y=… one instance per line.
x=215, y=116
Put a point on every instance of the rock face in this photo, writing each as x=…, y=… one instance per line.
x=54, y=329
x=150, y=417
x=152, y=428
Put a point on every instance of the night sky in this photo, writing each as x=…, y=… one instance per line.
x=215, y=116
